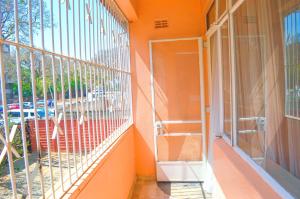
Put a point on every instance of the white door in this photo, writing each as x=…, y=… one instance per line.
x=177, y=85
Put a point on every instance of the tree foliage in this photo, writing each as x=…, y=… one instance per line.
x=7, y=19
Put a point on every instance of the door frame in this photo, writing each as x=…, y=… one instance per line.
x=203, y=162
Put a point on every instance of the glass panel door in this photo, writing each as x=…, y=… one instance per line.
x=177, y=110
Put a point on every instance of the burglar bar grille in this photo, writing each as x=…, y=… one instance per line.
x=292, y=63
x=65, y=91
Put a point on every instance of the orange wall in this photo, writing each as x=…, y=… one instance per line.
x=128, y=7
x=114, y=176
x=184, y=21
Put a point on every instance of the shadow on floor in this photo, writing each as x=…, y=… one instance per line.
x=145, y=189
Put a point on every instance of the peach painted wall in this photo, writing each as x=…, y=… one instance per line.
x=114, y=176
x=236, y=177
x=184, y=21
x=128, y=7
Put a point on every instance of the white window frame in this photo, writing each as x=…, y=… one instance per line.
x=216, y=28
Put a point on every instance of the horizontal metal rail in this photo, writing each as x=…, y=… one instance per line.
x=180, y=134
x=179, y=122
x=249, y=118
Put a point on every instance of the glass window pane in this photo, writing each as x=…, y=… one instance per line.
x=267, y=47
x=226, y=79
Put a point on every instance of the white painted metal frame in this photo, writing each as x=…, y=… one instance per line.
x=216, y=28
x=180, y=170
x=99, y=58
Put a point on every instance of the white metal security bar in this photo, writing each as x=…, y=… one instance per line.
x=65, y=91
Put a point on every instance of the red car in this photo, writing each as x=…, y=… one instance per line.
x=13, y=106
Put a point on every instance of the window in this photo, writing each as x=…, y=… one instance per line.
x=226, y=79
x=292, y=63
x=266, y=41
x=71, y=66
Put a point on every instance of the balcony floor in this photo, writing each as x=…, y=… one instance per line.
x=145, y=189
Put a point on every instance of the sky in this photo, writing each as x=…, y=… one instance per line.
x=84, y=17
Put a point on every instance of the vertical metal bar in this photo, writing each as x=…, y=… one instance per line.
x=118, y=74
x=76, y=89
x=289, y=70
x=87, y=111
x=297, y=33
x=153, y=101
x=123, y=76
x=84, y=29
x=76, y=94
x=99, y=103
x=70, y=99
x=86, y=83
x=91, y=85
x=221, y=80
x=202, y=100
x=33, y=83
x=106, y=60
x=104, y=71
x=233, y=82
x=91, y=104
x=96, y=58
x=295, y=63
x=129, y=76
x=103, y=56
x=97, y=53
x=81, y=82
x=286, y=67
x=64, y=105
x=103, y=105
x=101, y=61
x=5, y=120
x=114, y=65
x=96, y=110
x=20, y=93
x=55, y=99
x=108, y=70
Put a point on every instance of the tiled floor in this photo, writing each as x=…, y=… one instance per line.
x=153, y=190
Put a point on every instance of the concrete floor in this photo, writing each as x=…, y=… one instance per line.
x=145, y=189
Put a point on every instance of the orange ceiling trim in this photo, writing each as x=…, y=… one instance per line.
x=128, y=7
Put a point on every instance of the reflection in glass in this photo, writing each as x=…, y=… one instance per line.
x=266, y=36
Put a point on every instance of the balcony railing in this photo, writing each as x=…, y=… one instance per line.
x=65, y=91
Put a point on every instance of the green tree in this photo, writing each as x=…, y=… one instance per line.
x=7, y=22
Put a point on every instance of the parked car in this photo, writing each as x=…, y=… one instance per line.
x=40, y=103
x=50, y=102
x=15, y=115
x=28, y=105
x=1, y=108
x=42, y=112
x=13, y=106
